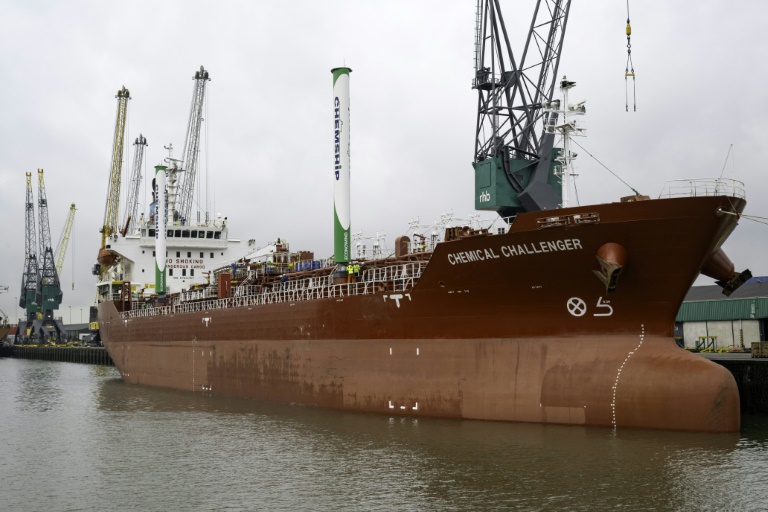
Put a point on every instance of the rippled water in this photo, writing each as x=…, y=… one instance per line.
x=78, y=438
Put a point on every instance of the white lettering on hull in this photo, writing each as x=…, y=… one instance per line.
x=577, y=307
x=397, y=297
x=508, y=251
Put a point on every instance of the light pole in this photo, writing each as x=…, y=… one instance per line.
x=81, y=315
x=70, y=315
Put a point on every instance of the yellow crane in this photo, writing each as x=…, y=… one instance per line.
x=110, y=226
x=63, y=243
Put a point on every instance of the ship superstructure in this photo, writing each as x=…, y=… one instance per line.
x=195, y=246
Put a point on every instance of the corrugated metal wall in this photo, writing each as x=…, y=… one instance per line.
x=727, y=309
x=726, y=333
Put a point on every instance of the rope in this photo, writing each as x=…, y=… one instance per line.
x=606, y=168
x=754, y=218
x=730, y=149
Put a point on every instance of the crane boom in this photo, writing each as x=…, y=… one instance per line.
x=514, y=156
x=133, y=197
x=110, y=226
x=63, y=243
x=192, y=143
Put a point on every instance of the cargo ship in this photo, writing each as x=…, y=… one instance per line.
x=561, y=319
x=565, y=315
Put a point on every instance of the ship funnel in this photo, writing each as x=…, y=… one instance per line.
x=341, y=203
x=720, y=268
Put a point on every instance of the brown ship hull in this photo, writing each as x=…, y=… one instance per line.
x=516, y=327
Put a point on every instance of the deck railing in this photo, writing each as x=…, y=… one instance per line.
x=395, y=278
x=703, y=187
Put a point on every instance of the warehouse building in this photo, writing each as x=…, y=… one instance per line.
x=709, y=319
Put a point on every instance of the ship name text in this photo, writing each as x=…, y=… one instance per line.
x=508, y=251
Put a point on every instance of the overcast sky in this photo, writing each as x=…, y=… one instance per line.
x=268, y=151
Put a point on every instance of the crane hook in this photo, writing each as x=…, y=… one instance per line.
x=629, y=70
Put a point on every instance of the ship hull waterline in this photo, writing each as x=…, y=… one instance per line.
x=523, y=332
x=561, y=381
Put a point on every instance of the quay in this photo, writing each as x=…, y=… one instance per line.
x=85, y=355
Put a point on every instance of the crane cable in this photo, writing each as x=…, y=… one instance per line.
x=629, y=70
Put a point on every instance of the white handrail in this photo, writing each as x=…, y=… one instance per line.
x=703, y=187
x=399, y=277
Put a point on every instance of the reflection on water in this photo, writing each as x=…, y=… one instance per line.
x=116, y=446
x=39, y=388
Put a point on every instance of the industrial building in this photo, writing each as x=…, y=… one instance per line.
x=708, y=319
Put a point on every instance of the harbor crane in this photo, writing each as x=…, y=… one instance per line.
x=110, y=226
x=3, y=316
x=515, y=161
x=63, y=243
x=131, y=206
x=48, y=294
x=27, y=296
x=192, y=146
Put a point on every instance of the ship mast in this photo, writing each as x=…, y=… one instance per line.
x=567, y=129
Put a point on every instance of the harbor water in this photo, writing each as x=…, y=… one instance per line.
x=77, y=438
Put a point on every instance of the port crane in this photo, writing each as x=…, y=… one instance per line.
x=48, y=294
x=40, y=287
x=63, y=243
x=132, y=204
x=110, y=226
x=27, y=296
x=192, y=147
x=3, y=316
x=515, y=159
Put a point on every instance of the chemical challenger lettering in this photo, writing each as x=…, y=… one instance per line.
x=568, y=244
